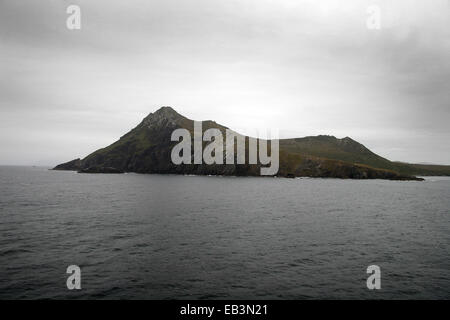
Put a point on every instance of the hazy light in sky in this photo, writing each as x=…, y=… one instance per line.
x=305, y=67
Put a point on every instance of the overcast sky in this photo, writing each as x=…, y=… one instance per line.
x=305, y=67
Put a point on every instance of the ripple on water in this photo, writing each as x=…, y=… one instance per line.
x=172, y=237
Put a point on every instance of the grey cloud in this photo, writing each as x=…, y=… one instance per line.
x=305, y=66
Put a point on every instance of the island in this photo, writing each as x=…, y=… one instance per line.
x=147, y=149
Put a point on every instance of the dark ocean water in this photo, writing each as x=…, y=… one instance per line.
x=175, y=237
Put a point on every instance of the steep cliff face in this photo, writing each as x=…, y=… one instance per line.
x=147, y=149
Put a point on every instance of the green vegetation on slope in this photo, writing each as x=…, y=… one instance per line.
x=348, y=150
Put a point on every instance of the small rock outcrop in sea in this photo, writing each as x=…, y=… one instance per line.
x=147, y=149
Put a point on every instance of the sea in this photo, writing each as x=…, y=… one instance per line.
x=150, y=236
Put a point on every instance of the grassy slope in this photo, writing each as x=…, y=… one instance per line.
x=351, y=151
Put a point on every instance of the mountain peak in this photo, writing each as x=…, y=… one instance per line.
x=166, y=110
x=165, y=115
